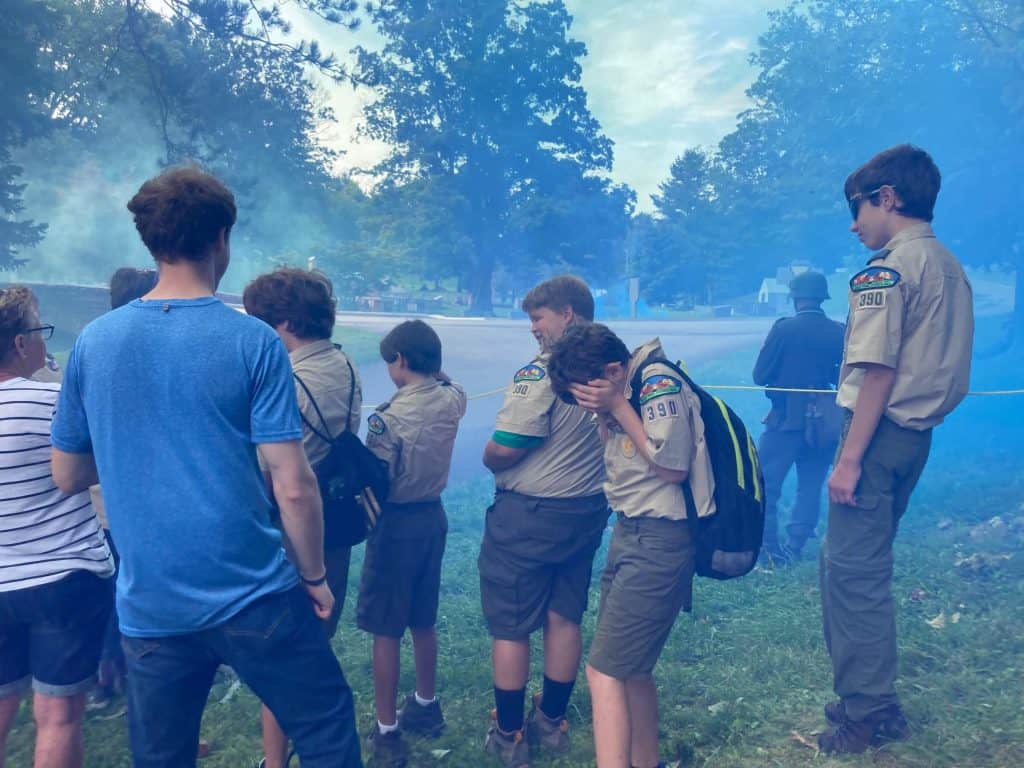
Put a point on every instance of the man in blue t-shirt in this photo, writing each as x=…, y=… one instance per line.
x=165, y=401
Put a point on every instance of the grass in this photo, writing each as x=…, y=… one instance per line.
x=743, y=678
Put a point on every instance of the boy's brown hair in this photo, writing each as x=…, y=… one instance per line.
x=561, y=292
x=303, y=299
x=180, y=213
x=907, y=169
x=581, y=356
x=417, y=342
x=129, y=283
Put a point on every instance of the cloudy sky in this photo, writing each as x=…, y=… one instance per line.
x=661, y=75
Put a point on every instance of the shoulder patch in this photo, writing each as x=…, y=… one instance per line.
x=873, y=278
x=531, y=372
x=658, y=385
x=376, y=424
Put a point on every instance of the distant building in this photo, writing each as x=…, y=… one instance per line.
x=773, y=295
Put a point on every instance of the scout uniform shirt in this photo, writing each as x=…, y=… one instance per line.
x=567, y=464
x=414, y=433
x=911, y=310
x=670, y=412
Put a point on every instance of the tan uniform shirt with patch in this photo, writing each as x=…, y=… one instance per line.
x=912, y=310
x=414, y=433
x=670, y=412
x=324, y=369
x=568, y=463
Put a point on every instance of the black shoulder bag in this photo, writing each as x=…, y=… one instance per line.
x=352, y=480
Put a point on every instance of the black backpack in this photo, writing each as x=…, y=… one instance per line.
x=352, y=480
x=729, y=541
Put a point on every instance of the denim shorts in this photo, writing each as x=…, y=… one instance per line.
x=51, y=635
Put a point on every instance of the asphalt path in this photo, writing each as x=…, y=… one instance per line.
x=482, y=354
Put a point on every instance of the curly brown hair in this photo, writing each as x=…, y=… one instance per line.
x=302, y=299
x=17, y=306
x=180, y=213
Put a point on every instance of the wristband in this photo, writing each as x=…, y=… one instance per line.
x=314, y=582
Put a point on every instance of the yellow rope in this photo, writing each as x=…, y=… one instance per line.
x=750, y=388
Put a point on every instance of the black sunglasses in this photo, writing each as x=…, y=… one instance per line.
x=46, y=331
x=855, y=200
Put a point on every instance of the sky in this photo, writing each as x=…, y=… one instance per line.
x=662, y=76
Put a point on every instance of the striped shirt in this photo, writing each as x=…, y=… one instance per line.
x=44, y=534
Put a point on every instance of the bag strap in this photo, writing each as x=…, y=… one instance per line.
x=351, y=391
x=328, y=439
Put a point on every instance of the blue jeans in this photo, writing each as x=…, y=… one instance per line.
x=278, y=648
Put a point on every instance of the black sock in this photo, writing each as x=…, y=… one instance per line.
x=510, y=709
x=555, y=699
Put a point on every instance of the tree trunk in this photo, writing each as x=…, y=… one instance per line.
x=481, y=282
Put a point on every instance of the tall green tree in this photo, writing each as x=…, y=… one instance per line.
x=486, y=95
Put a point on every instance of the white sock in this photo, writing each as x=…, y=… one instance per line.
x=386, y=729
x=423, y=702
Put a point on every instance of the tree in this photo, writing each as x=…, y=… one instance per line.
x=486, y=96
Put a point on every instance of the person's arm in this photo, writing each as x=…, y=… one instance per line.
x=73, y=472
x=603, y=397
x=766, y=367
x=505, y=450
x=872, y=400
x=302, y=516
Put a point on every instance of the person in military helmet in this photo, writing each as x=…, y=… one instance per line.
x=801, y=352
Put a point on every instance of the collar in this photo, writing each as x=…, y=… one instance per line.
x=308, y=350
x=818, y=311
x=904, y=236
x=414, y=389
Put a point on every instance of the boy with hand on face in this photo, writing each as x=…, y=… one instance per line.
x=906, y=365
x=648, y=575
x=540, y=535
x=414, y=433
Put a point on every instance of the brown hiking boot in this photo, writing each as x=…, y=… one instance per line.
x=542, y=731
x=847, y=738
x=889, y=725
x=388, y=749
x=421, y=720
x=510, y=748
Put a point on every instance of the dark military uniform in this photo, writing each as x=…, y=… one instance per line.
x=801, y=352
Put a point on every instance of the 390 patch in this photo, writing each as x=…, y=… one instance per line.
x=522, y=389
x=873, y=279
x=376, y=424
x=871, y=300
x=659, y=385
x=531, y=372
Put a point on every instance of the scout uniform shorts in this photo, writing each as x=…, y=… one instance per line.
x=401, y=578
x=537, y=556
x=647, y=580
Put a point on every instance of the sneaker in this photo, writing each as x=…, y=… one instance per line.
x=414, y=718
x=510, y=748
x=889, y=725
x=542, y=731
x=388, y=749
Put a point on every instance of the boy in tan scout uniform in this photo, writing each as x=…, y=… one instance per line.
x=541, y=533
x=649, y=572
x=906, y=365
x=414, y=433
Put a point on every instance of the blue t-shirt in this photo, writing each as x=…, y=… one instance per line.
x=172, y=397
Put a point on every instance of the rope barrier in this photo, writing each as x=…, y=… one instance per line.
x=752, y=388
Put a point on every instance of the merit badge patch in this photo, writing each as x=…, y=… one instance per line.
x=531, y=372
x=656, y=386
x=375, y=424
x=874, y=278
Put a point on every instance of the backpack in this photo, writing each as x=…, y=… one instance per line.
x=729, y=541
x=351, y=478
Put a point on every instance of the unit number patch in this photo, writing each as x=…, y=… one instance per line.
x=871, y=300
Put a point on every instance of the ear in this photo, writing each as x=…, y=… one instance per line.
x=19, y=345
x=568, y=313
x=889, y=198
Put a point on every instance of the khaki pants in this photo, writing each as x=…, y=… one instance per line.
x=856, y=562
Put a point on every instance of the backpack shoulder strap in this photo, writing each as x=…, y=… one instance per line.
x=351, y=392
x=323, y=421
x=637, y=380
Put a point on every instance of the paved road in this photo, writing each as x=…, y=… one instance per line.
x=482, y=355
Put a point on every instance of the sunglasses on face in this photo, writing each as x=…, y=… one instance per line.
x=46, y=331
x=855, y=200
